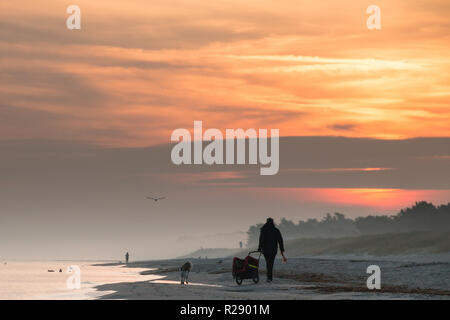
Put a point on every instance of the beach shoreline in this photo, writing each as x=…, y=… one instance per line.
x=47, y=280
x=403, y=277
x=317, y=277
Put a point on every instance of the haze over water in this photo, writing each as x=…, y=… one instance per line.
x=31, y=280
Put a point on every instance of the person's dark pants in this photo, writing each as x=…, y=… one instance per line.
x=270, y=259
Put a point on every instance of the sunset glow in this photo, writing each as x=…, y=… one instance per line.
x=379, y=200
x=138, y=72
x=87, y=114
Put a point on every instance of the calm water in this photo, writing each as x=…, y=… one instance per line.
x=31, y=280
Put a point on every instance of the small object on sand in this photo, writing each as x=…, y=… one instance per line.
x=60, y=270
x=50, y=270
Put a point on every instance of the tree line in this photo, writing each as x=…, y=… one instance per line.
x=422, y=216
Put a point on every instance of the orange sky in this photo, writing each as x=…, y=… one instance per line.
x=137, y=70
x=378, y=200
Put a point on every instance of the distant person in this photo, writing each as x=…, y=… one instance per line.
x=127, y=257
x=240, y=244
x=185, y=269
x=269, y=239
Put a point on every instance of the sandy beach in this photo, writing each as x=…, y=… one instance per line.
x=403, y=277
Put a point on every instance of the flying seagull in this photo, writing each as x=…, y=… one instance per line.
x=156, y=199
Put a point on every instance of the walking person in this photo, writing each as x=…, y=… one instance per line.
x=269, y=240
x=127, y=257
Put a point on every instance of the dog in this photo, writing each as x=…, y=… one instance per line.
x=185, y=269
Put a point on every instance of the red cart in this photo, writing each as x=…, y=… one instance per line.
x=246, y=268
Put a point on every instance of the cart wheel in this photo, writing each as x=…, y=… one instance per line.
x=238, y=280
x=255, y=277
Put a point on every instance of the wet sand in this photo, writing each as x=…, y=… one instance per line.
x=32, y=280
x=300, y=278
x=402, y=277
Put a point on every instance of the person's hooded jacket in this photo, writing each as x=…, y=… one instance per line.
x=269, y=239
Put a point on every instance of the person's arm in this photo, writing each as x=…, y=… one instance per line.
x=281, y=244
x=261, y=240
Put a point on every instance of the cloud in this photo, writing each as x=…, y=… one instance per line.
x=113, y=92
x=268, y=117
x=343, y=126
x=305, y=162
x=137, y=71
x=57, y=193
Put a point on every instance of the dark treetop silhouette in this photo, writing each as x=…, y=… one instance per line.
x=423, y=216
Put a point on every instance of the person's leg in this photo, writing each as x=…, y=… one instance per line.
x=183, y=275
x=270, y=258
x=187, y=277
x=271, y=261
